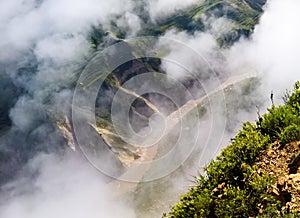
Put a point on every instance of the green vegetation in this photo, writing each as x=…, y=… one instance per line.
x=243, y=14
x=233, y=186
x=205, y=8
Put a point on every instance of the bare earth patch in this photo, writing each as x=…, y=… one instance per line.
x=282, y=163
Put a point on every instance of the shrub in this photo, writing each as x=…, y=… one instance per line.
x=290, y=134
x=277, y=120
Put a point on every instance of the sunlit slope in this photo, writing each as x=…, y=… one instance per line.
x=257, y=174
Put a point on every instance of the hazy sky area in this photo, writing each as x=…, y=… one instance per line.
x=51, y=37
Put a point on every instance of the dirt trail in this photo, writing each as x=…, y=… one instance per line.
x=148, y=103
x=137, y=171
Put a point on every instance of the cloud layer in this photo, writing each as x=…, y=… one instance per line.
x=44, y=43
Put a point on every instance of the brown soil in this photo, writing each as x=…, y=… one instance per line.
x=282, y=163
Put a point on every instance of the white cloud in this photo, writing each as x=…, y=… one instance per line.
x=50, y=39
x=162, y=8
x=55, y=32
x=130, y=22
x=24, y=23
x=67, y=188
x=275, y=47
x=217, y=26
x=201, y=43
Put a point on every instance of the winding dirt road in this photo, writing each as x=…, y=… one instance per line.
x=137, y=170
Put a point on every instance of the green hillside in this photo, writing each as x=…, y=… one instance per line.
x=243, y=14
x=248, y=178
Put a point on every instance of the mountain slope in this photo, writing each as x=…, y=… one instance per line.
x=243, y=15
x=257, y=174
